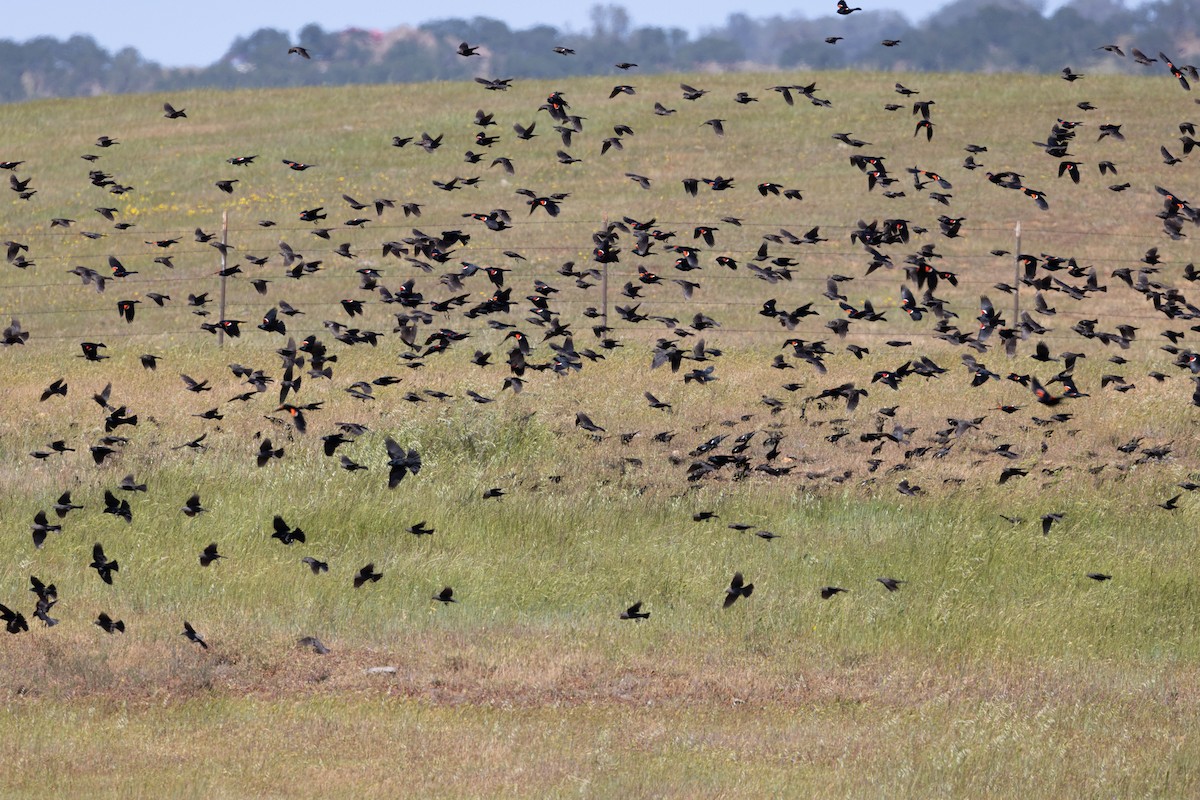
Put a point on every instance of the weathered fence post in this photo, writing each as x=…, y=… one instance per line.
x=1017, y=276
x=604, y=287
x=224, y=262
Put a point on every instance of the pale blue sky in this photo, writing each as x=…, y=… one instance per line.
x=178, y=33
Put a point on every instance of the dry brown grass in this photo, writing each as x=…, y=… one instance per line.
x=529, y=714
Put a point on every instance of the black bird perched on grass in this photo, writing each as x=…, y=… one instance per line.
x=582, y=420
x=737, y=588
x=365, y=574
x=635, y=612
x=190, y=633
x=104, y=568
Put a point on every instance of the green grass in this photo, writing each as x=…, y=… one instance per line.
x=998, y=669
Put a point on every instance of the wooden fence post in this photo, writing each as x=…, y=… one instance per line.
x=224, y=262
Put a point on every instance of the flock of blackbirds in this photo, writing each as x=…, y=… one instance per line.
x=311, y=361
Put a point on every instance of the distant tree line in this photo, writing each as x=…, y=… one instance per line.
x=965, y=36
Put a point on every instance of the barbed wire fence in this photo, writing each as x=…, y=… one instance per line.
x=598, y=297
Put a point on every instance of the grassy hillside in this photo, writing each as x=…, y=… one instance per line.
x=997, y=668
x=172, y=165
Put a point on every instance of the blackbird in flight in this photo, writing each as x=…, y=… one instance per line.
x=365, y=574
x=104, y=568
x=401, y=462
x=635, y=612
x=737, y=588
